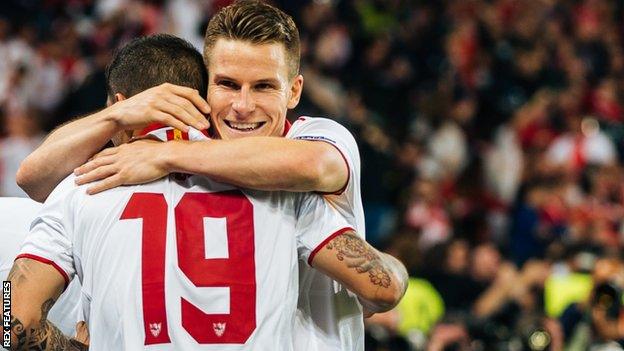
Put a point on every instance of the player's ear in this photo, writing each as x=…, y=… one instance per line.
x=113, y=99
x=296, y=88
x=119, y=97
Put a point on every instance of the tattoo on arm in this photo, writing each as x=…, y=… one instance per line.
x=45, y=336
x=357, y=254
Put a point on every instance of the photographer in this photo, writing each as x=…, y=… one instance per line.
x=599, y=323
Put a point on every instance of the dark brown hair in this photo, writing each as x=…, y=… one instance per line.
x=150, y=61
x=258, y=23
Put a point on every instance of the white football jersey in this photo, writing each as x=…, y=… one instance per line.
x=16, y=214
x=329, y=317
x=184, y=263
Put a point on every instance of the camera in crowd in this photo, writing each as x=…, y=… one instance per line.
x=608, y=296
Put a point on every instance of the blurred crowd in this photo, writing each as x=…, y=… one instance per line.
x=490, y=133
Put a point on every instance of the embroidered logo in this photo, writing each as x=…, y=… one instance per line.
x=219, y=328
x=155, y=328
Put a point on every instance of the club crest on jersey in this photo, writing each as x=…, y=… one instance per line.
x=155, y=328
x=219, y=328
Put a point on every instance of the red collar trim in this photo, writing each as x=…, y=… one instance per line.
x=287, y=126
x=151, y=127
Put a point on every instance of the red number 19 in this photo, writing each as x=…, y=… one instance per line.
x=236, y=272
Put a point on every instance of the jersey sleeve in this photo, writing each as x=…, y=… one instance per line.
x=16, y=215
x=333, y=133
x=50, y=235
x=317, y=223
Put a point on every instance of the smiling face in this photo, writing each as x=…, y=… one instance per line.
x=249, y=88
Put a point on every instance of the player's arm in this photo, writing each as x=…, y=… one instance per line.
x=72, y=144
x=378, y=279
x=262, y=163
x=64, y=149
x=35, y=288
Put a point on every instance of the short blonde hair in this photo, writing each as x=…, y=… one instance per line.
x=258, y=23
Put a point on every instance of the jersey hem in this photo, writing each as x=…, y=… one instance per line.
x=49, y=262
x=328, y=239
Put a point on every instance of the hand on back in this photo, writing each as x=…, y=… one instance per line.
x=127, y=164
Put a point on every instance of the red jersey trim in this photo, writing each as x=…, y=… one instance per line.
x=169, y=134
x=287, y=126
x=46, y=261
x=155, y=126
x=327, y=240
x=344, y=187
x=152, y=127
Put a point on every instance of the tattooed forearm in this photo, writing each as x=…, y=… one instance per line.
x=42, y=337
x=386, y=278
x=45, y=337
x=18, y=334
x=357, y=254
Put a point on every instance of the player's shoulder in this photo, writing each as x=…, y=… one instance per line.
x=196, y=183
x=65, y=189
x=320, y=128
x=14, y=207
x=20, y=202
x=308, y=121
x=274, y=200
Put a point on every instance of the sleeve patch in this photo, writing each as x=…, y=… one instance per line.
x=315, y=138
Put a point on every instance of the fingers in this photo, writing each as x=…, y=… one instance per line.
x=106, y=152
x=170, y=119
x=82, y=333
x=191, y=115
x=94, y=163
x=96, y=174
x=175, y=106
x=108, y=183
x=191, y=95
